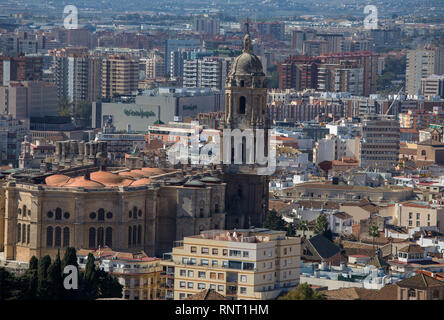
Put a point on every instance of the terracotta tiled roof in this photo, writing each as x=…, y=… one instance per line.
x=414, y=248
x=420, y=281
x=388, y=292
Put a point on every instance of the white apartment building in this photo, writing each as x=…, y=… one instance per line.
x=209, y=72
x=333, y=147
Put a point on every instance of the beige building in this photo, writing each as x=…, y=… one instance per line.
x=412, y=214
x=433, y=86
x=120, y=76
x=420, y=64
x=245, y=264
x=132, y=211
x=136, y=272
x=27, y=99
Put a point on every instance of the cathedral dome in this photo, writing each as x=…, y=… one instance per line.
x=57, y=180
x=107, y=178
x=247, y=63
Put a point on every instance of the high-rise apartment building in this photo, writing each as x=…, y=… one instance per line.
x=120, y=76
x=172, y=45
x=344, y=77
x=206, y=25
x=154, y=67
x=27, y=99
x=379, y=142
x=298, y=72
x=78, y=77
x=12, y=133
x=368, y=60
x=245, y=264
x=314, y=48
x=433, y=86
x=209, y=72
x=420, y=64
x=299, y=36
x=20, y=68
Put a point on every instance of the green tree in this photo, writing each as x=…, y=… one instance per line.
x=55, y=278
x=303, y=292
x=273, y=221
x=82, y=113
x=90, y=279
x=321, y=225
x=373, y=232
x=70, y=258
x=64, y=107
x=109, y=286
x=291, y=230
x=30, y=278
x=42, y=274
x=303, y=226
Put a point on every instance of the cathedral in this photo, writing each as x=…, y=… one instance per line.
x=145, y=209
x=245, y=104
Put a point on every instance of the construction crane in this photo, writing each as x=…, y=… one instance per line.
x=394, y=100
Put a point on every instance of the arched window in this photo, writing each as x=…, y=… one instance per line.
x=134, y=234
x=29, y=234
x=109, y=237
x=202, y=209
x=139, y=234
x=129, y=235
x=58, y=237
x=100, y=236
x=49, y=235
x=411, y=293
x=135, y=212
x=101, y=214
x=140, y=213
x=24, y=211
x=24, y=233
x=50, y=214
x=58, y=214
x=423, y=153
x=242, y=105
x=19, y=211
x=242, y=83
x=19, y=232
x=92, y=238
x=66, y=237
x=130, y=213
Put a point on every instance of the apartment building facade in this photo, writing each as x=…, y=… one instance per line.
x=120, y=76
x=253, y=264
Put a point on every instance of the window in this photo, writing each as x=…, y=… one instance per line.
x=418, y=215
x=190, y=274
x=235, y=253
x=100, y=237
x=193, y=249
x=183, y=273
x=193, y=261
x=428, y=217
x=101, y=214
x=410, y=215
x=66, y=215
x=246, y=254
x=190, y=285
x=29, y=234
x=92, y=215
x=410, y=223
x=92, y=238
x=225, y=252
x=134, y=235
x=66, y=237
x=185, y=260
x=109, y=215
x=243, y=290
x=220, y=288
x=58, y=237
x=139, y=234
x=213, y=286
x=417, y=223
x=220, y=276
x=24, y=233
x=49, y=235
x=212, y=275
x=24, y=211
x=242, y=105
x=201, y=286
x=205, y=250
x=204, y=262
x=214, y=263
x=58, y=214
x=202, y=274
x=285, y=251
x=109, y=237
x=181, y=296
x=182, y=284
x=49, y=214
x=243, y=278
x=411, y=293
x=129, y=236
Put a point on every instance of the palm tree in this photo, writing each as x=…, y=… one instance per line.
x=373, y=232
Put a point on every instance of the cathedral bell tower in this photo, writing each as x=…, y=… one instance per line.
x=245, y=103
